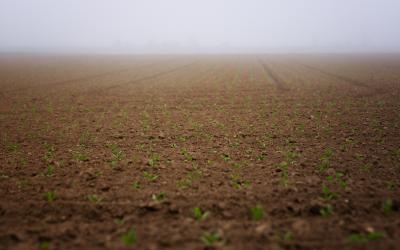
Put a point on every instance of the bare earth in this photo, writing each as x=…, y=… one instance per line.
x=276, y=152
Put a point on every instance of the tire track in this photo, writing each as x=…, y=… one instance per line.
x=149, y=77
x=96, y=91
x=336, y=76
x=83, y=78
x=102, y=92
x=279, y=83
x=78, y=79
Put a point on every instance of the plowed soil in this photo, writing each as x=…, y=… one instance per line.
x=278, y=152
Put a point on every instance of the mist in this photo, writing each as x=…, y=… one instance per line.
x=208, y=26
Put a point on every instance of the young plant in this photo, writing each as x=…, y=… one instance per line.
x=85, y=139
x=326, y=211
x=210, y=239
x=49, y=154
x=238, y=182
x=257, y=212
x=159, y=197
x=117, y=155
x=50, y=196
x=129, y=238
x=150, y=176
x=225, y=157
x=390, y=185
x=119, y=222
x=49, y=171
x=80, y=156
x=190, y=177
x=325, y=160
x=153, y=160
x=94, y=198
x=188, y=156
x=198, y=214
x=362, y=237
x=288, y=236
x=136, y=185
x=284, y=167
x=339, y=179
x=387, y=206
x=13, y=147
x=44, y=245
x=328, y=194
x=396, y=154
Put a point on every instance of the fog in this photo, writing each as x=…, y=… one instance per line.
x=207, y=26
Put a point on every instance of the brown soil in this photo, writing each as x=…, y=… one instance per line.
x=93, y=148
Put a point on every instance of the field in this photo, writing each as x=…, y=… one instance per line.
x=194, y=152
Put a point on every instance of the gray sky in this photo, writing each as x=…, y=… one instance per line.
x=200, y=26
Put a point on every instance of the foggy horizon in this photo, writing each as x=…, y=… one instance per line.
x=199, y=27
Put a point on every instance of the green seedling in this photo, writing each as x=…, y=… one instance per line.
x=93, y=198
x=396, y=154
x=98, y=173
x=49, y=154
x=326, y=211
x=366, y=167
x=150, y=176
x=44, y=245
x=362, y=237
x=129, y=238
x=119, y=222
x=210, y=239
x=145, y=122
x=347, y=144
x=261, y=157
x=284, y=167
x=85, y=139
x=390, y=185
x=291, y=157
x=225, y=157
x=153, y=160
x=325, y=160
x=136, y=185
x=22, y=184
x=198, y=214
x=359, y=157
x=190, y=177
x=117, y=155
x=80, y=156
x=327, y=193
x=21, y=160
x=141, y=146
x=13, y=147
x=238, y=182
x=288, y=236
x=188, y=156
x=387, y=206
x=182, y=138
x=4, y=176
x=50, y=196
x=257, y=212
x=49, y=171
x=338, y=178
x=301, y=129
x=159, y=197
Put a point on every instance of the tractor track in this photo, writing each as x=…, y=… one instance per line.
x=336, y=76
x=83, y=78
x=279, y=83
